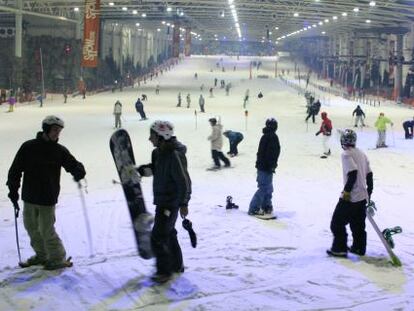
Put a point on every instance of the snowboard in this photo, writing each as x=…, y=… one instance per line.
x=385, y=236
x=266, y=216
x=122, y=152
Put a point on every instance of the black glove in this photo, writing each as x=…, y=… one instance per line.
x=187, y=225
x=79, y=172
x=145, y=170
x=317, y=133
x=13, y=196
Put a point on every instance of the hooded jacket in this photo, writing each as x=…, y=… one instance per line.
x=40, y=162
x=326, y=126
x=268, y=152
x=215, y=137
x=381, y=123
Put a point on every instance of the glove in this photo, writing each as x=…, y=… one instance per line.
x=183, y=211
x=317, y=133
x=145, y=170
x=346, y=196
x=187, y=225
x=13, y=196
x=79, y=172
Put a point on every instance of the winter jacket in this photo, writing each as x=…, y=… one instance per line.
x=171, y=183
x=201, y=101
x=268, y=152
x=358, y=111
x=139, y=105
x=117, y=108
x=381, y=123
x=215, y=137
x=233, y=136
x=326, y=126
x=315, y=107
x=40, y=161
x=409, y=123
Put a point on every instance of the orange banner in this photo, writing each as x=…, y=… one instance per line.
x=91, y=34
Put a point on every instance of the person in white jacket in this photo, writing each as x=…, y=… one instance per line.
x=216, y=140
x=117, y=114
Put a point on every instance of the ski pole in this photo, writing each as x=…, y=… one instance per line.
x=16, y=215
x=86, y=217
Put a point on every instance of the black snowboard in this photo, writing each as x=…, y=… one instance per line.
x=121, y=149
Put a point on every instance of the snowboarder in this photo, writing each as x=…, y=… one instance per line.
x=117, y=114
x=326, y=130
x=350, y=209
x=266, y=164
x=144, y=97
x=179, y=100
x=39, y=98
x=40, y=161
x=228, y=86
x=172, y=192
x=215, y=82
x=381, y=125
x=157, y=89
x=313, y=109
x=139, y=106
x=12, y=101
x=260, y=95
x=211, y=92
x=234, y=139
x=188, y=98
x=65, y=96
x=246, y=98
x=408, y=128
x=201, y=102
x=196, y=76
x=217, y=144
x=360, y=116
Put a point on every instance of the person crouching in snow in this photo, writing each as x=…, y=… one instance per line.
x=326, y=130
x=217, y=144
x=234, y=139
x=358, y=186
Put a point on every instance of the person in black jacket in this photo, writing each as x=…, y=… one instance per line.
x=172, y=192
x=408, y=128
x=360, y=116
x=139, y=107
x=313, y=109
x=267, y=156
x=40, y=161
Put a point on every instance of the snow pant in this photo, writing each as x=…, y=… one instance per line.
x=310, y=114
x=262, y=199
x=39, y=221
x=141, y=112
x=381, y=138
x=188, y=103
x=359, y=119
x=233, y=146
x=217, y=156
x=202, y=108
x=352, y=213
x=167, y=251
x=179, y=103
x=11, y=108
x=408, y=131
x=117, y=120
x=325, y=143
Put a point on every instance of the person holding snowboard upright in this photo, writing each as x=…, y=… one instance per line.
x=326, y=130
x=216, y=145
x=40, y=161
x=381, y=125
x=234, y=139
x=359, y=116
x=350, y=209
x=172, y=192
x=266, y=164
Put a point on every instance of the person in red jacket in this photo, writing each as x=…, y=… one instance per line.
x=326, y=131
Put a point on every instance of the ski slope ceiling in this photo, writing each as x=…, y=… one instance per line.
x=258, y=19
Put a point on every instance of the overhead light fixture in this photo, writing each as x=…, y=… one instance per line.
x=124, y=8
x=335, y=17
x=163, y=22
x=277, y=28
x=169, y=9
x=356, y=9
x=320, y=23
x=137, y=24
x=372, y=3
x=344, y=14
x=143, y=15
x=76, y=9
x=158, y=29
x=326, y=20
x=368, y=21
x=134, y=12
x=323, y=32
x=111, y=3
x=295, y=14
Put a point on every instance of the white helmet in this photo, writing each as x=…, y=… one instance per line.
x=51, y=120
x=164, y=129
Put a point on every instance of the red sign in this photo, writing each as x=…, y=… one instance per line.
x=91, y=33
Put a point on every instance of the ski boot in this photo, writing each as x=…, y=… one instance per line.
x=389, y=232
x=67, y=263
x=230, y=204
x=32, y=261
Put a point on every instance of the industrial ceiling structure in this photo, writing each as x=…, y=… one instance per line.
x=250, y=20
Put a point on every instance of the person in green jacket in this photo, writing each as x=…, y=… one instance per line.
x=381, y=125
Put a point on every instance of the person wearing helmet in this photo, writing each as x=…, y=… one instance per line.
x=172, y=192
x=139, y=107
x=40, y=161
x=216, y=145
x=326, y=130
x=381, y=125
x=266, y=164
x=350, y=209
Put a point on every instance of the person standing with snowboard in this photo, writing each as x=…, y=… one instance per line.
x=381, y=125
x=217, y=144
x=172, y=192
x=326, y=130
x=40, y=161
x=266, y=164
x=350, y=209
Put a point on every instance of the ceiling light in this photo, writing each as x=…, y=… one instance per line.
x=335, y=17
x=124, y=8
x=169, y=9
x=323, y=32
x=76, y=9
x=143, y=15
x=320, y=23
x=136, y=24
x=276, y=28
x=295, y=14
x=163, y=22
x=111, y=3
x=356, y=9
x=368, y=21
x=372, y=3
x=326, y=20
x=158, y=29
x=344, y=14
x=134, y=12
x=313, y=25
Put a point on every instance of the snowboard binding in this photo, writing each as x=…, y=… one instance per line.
x=389, y=232
x=371, y=208
x=230, y=204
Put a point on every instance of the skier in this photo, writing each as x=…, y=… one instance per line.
x=39, y=98
x=234, y=139
x=139, y=106
x=260, y=95
x=201, y=103
x=228, y=86
x=179, y=100
x=196, y=76
x=217, y=144
x=326, y=130
x=157, y=89
x=188, y=98
x=117, y=114
x=40, y=161
x=381, y=125
x=313, y=109
x=65, y=96
x=211, y=92
x=215, y=82
x=266, y=164
x=409, y=128
x=360, y=116
x=172, y=192
x=246, y=98
x=12, y=101
x=350, y=209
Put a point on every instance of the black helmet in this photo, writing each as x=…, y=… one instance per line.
x=348, y=138
x=51, y=120
x=212, y=120
x=271, y=123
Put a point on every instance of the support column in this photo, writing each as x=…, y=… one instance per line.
x=176, y=40
x=398, y=72
x=187, y=42
x=19, y=27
